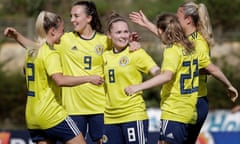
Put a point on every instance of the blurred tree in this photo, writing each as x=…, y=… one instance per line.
x=13, y=6
x=217, y=94
x=34, y=7
x=23, y=7
x=13, y=97
x=224, y=13
x=225, y=17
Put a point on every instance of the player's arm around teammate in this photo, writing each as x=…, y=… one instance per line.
x=50, y=28
x=60, y=79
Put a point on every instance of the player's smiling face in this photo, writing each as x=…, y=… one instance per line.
x=79, y=18
x=119, y=34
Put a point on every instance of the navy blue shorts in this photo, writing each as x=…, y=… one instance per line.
x=173, y=132
x=93, y=124
x=63, y=132
x=202, y=111
x=135, y=132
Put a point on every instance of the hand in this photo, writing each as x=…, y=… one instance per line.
x=139, y=18
x=134, y=43
x=235, y=109
x=130, y=90
x=10, y=32
x=232, y=93
x=134, y=36
x=96, y=80
x=133, y=46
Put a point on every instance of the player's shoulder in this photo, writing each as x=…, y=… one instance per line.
x=48, y=48
x=100, y=36
x=107, y=52
x=138, y=51
x=69, y=34
x=173, y=47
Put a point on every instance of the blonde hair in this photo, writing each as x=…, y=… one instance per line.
x=201, y=19
x=44, y=22
x=172, y=32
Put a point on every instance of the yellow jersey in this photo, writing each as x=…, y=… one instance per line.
x=83, y=57
x=179, y=96
x=43, y=110
x=121, y=70
x=201, y=46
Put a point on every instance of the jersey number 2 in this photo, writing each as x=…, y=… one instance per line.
x=188, y=76
x=30, y=78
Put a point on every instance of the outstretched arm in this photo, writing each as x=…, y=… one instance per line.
x=218, y=74
x=69, y=81
x=140, y=19
x=23, y=41
x=153, y=82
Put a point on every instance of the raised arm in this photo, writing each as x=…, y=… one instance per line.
x=140, y=19
x=23, y=41
x=218, y=74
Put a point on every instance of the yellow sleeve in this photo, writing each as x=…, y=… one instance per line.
x=144, y=62
x=171, y=60
x=53, y=64
x=204, y=60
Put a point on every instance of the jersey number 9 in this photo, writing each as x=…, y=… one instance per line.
x=88, y=62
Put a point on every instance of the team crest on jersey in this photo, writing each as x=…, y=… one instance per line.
x=123, y=61
x=99, y=49
x=104, y=139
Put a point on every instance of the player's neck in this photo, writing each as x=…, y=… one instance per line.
x=50, y=44
x=118, y=50
x=87, y=33
x=190, y=30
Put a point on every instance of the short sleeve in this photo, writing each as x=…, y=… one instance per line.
x=53, y=63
